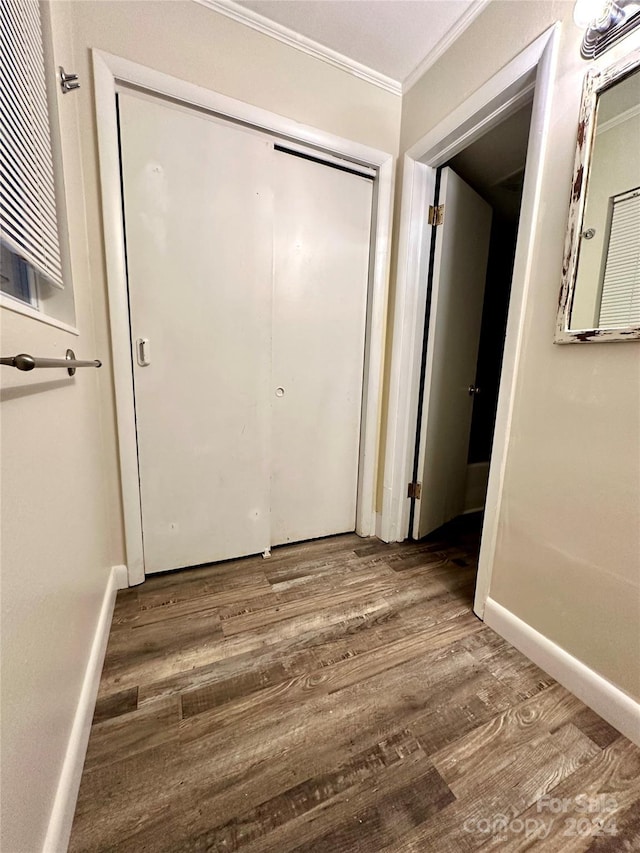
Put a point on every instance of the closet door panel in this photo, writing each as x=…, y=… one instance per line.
x=198, y=220
x=322, y=222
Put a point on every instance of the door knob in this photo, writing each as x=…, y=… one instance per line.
x=474, y=390
x=280, y=391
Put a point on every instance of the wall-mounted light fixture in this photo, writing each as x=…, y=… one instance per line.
x=605, y=22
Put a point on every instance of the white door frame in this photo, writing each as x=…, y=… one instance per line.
x=503, y=94
x=109, y=71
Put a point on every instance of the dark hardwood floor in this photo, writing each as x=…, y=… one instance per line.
x=341, y=696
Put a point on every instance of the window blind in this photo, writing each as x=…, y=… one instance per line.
x=620, y=303
x=28, y=221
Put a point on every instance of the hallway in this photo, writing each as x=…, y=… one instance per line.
x=339, y=696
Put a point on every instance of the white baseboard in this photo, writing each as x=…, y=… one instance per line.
x=607, y=700
x=59, y=830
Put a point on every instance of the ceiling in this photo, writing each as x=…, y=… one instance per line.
x=394, y=38
x=494, y=164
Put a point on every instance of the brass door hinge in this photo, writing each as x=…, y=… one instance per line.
x=414, y=490
x=436, y=214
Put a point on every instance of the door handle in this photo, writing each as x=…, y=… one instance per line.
x=474, y=390
x=143, y=352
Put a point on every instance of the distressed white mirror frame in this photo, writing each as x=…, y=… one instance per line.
x=596, y=82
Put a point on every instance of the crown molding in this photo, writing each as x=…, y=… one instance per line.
x=289, y=37
x=465, y=20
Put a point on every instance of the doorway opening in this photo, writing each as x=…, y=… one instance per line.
x=529, y=75
x=469, y=284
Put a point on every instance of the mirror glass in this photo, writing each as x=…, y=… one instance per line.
x=607, y=287
x=600, y=295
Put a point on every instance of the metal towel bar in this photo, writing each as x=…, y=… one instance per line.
x=29, y=362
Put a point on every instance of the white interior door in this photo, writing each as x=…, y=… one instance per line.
x=198, y=220
x=321, y=260
x=460, y=266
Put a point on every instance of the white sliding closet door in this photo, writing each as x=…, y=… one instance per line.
x=321, y=259
x=248, y=272
x=198, y=220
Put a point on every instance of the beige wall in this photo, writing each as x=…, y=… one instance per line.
x=56, y=549
x=61, y=505
x=567, y=559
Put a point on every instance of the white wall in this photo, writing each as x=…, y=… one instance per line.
x=62, y=516
x=568, y=550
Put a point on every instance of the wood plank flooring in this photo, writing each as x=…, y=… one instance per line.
x=341, y=696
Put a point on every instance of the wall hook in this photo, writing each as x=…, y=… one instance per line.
x=68, y=82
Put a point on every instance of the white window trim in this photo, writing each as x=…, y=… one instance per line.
x=10, y=303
